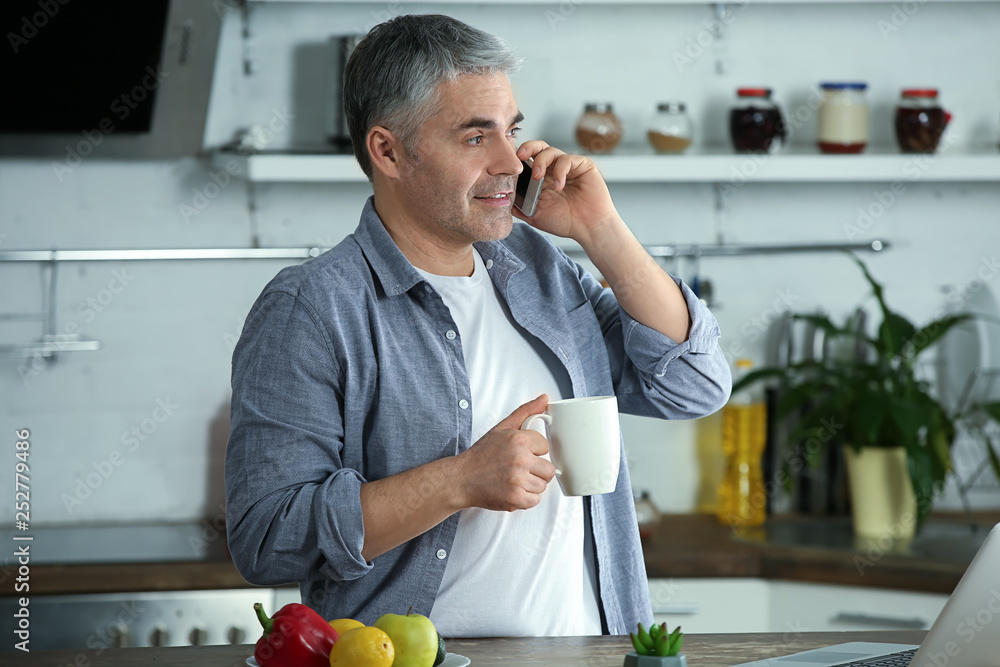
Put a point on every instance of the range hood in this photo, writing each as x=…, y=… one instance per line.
x=113, y=79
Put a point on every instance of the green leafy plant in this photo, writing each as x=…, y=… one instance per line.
x=975, y=425
x=657, y=641
x=875, y=397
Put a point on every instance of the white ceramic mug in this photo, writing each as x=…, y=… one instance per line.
x=584, y=443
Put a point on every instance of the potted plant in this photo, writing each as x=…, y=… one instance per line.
x=896, y=435
x=656, y=648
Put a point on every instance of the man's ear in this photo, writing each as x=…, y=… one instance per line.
x=386, y=151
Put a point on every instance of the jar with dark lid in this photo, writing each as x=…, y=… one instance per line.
x=598, y=130
x=670, y=129
x=920, y=120
x=755, y=122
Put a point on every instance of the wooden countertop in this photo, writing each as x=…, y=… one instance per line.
x=702, y=651
x=681, y=545
x=127, y=577
x=696, y=545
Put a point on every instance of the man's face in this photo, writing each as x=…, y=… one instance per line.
x=461, y=188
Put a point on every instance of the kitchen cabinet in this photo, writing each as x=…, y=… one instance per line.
x=286, y=595
x=758, y=605
x=711, y=605
x=828, y=608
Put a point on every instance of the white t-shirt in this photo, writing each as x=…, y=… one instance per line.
x=522, y=573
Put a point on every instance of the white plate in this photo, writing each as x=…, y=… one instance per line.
x=450, y=660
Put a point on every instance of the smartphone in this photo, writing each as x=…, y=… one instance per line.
x=526, y=192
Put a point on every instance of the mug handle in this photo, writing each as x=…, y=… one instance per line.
x=526, y=424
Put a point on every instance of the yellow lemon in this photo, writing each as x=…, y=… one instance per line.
x=362, y=647
x=342, y=625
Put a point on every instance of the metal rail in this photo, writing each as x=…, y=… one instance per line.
x=735, y=250
x=665, y=251
x=52, y=343
x=156, y=254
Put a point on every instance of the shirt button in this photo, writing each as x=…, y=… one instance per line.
x=427, y=288
x=450, y=335
x=441, y=554
x=463, y=404
x=489, y=264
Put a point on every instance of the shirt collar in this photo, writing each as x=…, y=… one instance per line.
x=390, y=265
x=500, y=254
x=395, y=273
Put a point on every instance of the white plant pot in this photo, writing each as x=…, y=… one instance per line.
x=882, y=499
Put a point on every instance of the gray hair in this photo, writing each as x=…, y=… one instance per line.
x=392, y=76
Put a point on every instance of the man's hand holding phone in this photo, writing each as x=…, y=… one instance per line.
x=574, y=201
x=576, y=204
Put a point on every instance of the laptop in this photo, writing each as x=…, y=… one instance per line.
x=965, y=634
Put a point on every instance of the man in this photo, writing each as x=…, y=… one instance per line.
x=375, y=455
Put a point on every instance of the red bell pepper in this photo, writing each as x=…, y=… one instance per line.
x=295, y=636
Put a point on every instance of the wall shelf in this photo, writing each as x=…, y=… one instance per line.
x=708, y=166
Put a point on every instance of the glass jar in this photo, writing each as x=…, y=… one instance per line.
x=670, y=129
x=755, y=122
x=843, y=118
x=920, y=120
x=599, y=130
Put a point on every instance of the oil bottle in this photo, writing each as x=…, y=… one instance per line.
x=742, y=497
x=711, y=462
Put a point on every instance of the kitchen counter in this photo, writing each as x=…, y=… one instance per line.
x=690, y=545
x=816, y=550
x=124, y=558
x=701, y=650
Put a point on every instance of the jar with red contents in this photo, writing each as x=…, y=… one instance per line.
x=920, y=120
x=755, y=122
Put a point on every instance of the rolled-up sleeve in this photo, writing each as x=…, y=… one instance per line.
x=293, y=511
x=655, y=376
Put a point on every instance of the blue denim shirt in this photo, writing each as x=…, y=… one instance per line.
x=344, y=374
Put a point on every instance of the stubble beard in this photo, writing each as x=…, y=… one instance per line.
x=476, y=224
x=489, y=229
x=496, y=224
x=463, y=217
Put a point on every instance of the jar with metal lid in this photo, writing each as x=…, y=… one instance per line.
x=920, y=120
x=843, y=118
x=670, y=129
x=598, y=130
x=755, y=122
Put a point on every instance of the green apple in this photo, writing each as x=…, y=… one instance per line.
x=413, y=636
